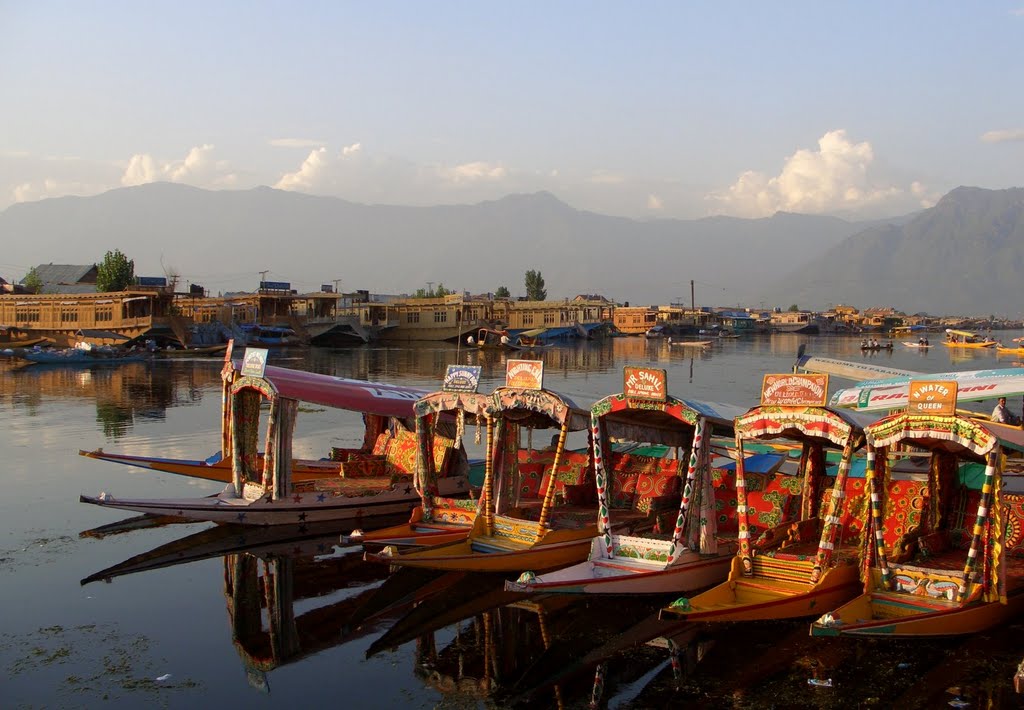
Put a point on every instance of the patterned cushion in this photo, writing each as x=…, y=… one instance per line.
x=368, y=467
x=771, y=500
x=401, y=454
x=904, y=503
x=535, y=471
x=380, y=447
x=1014, y=519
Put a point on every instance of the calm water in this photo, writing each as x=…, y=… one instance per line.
x=200, y=627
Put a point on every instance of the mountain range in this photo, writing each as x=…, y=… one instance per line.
x=960, y=256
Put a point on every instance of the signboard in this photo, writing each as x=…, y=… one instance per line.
x=254, y=362
x=275, y=286
x=461, y=378
x=644, y=383
x=932, y=397
x=794, y=390
x=525, y=374
x=151, y=280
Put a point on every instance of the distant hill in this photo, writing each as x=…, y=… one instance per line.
x=965, y=256
x=223, y=239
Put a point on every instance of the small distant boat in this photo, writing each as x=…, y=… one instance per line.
x=657, y=331
x=1018, y=349
x=876, y=346
x=919, y=346
x=80, y=357
x=692, y=343
x=490, y=339
x=208, y=350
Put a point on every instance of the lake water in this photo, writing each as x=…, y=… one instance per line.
x=195, y=634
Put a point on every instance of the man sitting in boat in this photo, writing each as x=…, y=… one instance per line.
x=1003, y=415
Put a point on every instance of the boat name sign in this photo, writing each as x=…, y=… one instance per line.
x=461, y=378
x=644, y=383
x=525, y=374
x=794, y=390
x=254, y=362
x=932, y=397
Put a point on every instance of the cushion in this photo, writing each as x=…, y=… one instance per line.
x=380, y=446
x=401, y=454
x=904, y=504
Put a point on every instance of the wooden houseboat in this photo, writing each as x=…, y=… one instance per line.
x=98, y=318
x=948, y=546
x=450, y=318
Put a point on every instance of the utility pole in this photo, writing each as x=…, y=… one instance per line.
x=263, y=277
x=336, y=282
x=430, y=288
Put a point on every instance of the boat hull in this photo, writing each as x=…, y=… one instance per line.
x=409, y=535
x=757, y=599
x=930, y=620
x=299, y=508
x=213, y=469
x=985, y=344
x=557, y=549
x=620, y=576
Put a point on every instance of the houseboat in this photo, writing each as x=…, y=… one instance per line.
x=448, y=318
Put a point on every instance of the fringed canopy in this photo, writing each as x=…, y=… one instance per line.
x=669, y=423
x=802, y=424
x=539, y=409
x=951, y=433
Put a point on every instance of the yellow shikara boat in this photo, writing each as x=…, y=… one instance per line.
x=967, y=339
x=516, y=531
x=957, y=566
x=797, y=568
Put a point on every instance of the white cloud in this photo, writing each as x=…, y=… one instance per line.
x=351, y=149
x=837, y=177
x=472, y=172
x=309, y=175
x=654, y=202
x=198, y=168
x=1014, y=135
x=295, y=143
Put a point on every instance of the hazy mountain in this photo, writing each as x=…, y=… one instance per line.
x=965, y=256
x=222, y=239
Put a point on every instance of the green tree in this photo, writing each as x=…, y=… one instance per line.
x=439, y=292
x=535, y=286
x=32, y=281
x=115, y=273
x=502, y=292
x=794, y=308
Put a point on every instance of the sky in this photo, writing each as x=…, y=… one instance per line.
x=645, y=110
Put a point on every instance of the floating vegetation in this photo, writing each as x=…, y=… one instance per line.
x=106, y=665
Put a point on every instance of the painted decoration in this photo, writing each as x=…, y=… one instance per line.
x=461, y=378
x=645, y=383
x=794, y=390
x=254, y=362
x=932, y=397
x=525, y=374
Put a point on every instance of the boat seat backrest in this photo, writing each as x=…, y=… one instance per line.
x=1013, y=517
x=574, y=469
x=903, y=516
x=637, y=481
x=399, y=457
x=856, y=508
x=772, y=499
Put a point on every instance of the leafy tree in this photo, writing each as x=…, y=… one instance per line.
x=794, y=308
x=502, y=292
x=32, y=281
x=115, y=273
x=535, y=286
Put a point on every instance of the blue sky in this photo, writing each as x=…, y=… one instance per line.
x=642, y=109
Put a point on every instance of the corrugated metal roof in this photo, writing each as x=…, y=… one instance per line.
x=66, y=274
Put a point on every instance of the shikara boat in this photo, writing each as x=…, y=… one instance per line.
x=262, y=490
x=437, y=519
x=691, y=343
x=967, y=339
x=698, y=551
x=948, y=552
x=520, y=525
x=202, y=351
x=82, y=358
x=916, y=346
x=793, y=569
x=385, y=408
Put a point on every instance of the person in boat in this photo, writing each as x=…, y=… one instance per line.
x=1003, y=415
x=926, y=341
x=470, y=340
x=504, y=340
x=864, y=343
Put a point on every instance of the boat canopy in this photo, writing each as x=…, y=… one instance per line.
x=959, y=435
x=659, y=422
x=893, y=393
x=472, y=403
x=539, y=409
x=806, y=423
x=378, y=398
